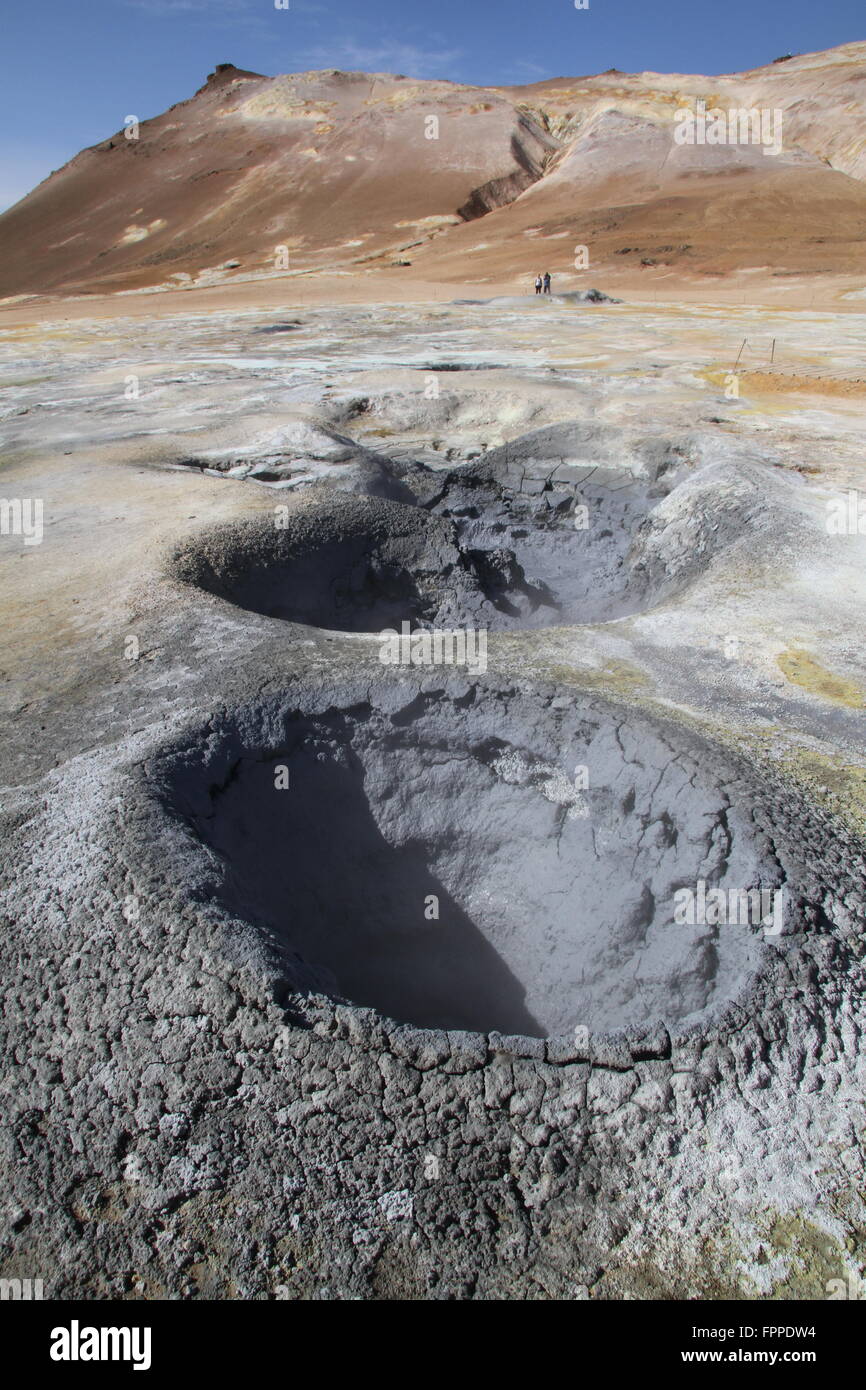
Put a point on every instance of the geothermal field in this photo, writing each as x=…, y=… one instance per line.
x=434, y=772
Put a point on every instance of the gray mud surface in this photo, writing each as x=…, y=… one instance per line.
x=326, y=979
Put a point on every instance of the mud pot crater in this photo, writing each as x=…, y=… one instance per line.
x=515, y=541
x=435, y=856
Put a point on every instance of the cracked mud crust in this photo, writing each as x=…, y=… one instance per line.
x=238, y=1064
x=253, y=1134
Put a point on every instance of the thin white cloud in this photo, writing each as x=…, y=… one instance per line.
x=189, y=7
x=406, y=58
x=253, y=9
x=530, y=70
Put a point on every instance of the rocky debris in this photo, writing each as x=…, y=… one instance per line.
x=541, y=301
x=288, y=327
x=597, y=297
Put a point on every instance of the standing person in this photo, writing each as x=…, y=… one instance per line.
x=538, y=283
x=547, y=282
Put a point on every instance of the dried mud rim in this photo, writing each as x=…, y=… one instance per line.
x=325, y=826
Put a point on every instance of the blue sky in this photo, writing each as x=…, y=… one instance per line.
x=74, y=69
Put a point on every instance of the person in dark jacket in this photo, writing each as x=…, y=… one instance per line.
x=547, y=282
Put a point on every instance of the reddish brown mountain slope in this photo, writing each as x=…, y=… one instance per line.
x=338, y=168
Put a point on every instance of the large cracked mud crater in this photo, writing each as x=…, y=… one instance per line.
x=519, y=540
x=437, y=856
x=363, y=564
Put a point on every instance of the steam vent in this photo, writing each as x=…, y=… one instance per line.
x=434, y=791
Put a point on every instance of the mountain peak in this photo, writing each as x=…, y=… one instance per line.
x=227, y=72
